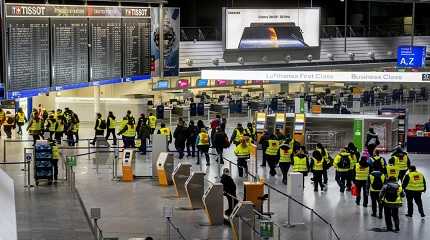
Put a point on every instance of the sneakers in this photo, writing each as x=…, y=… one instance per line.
x=407, y=215
x=423, y=215
x=373, y=215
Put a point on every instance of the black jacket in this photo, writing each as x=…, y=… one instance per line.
x=228, y=184
x=180, y=136
x=219, y=139
x=192, y=132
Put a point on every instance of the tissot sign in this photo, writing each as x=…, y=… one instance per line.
x=313, y=76
x=26, y=10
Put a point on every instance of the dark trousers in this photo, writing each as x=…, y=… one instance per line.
x=20, y=127
x=220, y=151
x=51, y=135
x=35, y=138
x=284, y=166
x=272, y=160
x=341, y=178
x=143, y=145
x=58, y=136
x=108, y=132
x=264, y=157
x=128, y=142
x=391, y=213
x=70, y=140
x=318, y=180
x=97, y=133
x=191, y=148
x=402, y=174
x=242, y=165
x=76, y=134
x=55, y=167
x=180, y=150
x=231, y=203
x=412, y=196
x=325, y=177
x=350, y=177
x=371, y=149
x=8, y=130
x=205, y=150
x=362, y=187
x=376, y=203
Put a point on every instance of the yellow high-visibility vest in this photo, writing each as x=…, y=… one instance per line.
x=131, y=131
x=361, y=173
x=318, y=165
x=21, y=117
x=273, y=147
x=300, y=164
x=285, y=155
x=242, y=151
x=152, y=121
x=392, y=171
x=112, y=123
x=416, y=182
x=203, y=139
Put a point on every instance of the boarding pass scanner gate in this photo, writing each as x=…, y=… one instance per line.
x=165, y=164
x=195, y=189
x=242, y=221
x=159, y=145
x=214, y=204
x=180, y=175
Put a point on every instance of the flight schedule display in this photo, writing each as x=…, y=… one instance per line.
x=137, y=32
x=28, y=53
x=60, y=47
x=105, y=49
x=69, y=51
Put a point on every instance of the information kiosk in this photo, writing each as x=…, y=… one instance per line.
x=299, y=128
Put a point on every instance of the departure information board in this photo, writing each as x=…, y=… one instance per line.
x=69, y=51
x=28, y=53
x=105, y=49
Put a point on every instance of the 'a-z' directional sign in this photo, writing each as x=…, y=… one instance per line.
x=411, y=56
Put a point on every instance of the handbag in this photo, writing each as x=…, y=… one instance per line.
x=354, y=190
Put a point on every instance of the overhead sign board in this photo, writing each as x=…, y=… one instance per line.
x=314, y=76
x=411, y=56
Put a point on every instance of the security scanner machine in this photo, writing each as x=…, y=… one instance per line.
x=295, y=190
x=128, y=162
x=254, y=192
x=165, y=166
x=180, y=175
x=195, y=189
x=242, y=221
x=299, y=128
x=159, y=145
x=213, y=201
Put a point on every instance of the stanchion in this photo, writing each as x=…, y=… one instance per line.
x=4, y=150
x=89, y=149
x=312, y=225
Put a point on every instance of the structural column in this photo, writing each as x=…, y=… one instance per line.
x=96, y=99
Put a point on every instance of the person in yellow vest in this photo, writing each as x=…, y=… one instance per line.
x=111, y=126
x=401, y=161
x=128, y=134
x=300, y=162
x=391, y=196
x=378, y=158
x=72, y=130
x=251, y=131
x=50, y=126
x=328, y=161
x=166, y=132
x=285, y=161
x=317, y=167
x=76, y=126
x=243, y=152
x=59, y=129
x=414, y=184
x=34, y=126
x=202, y=143
x=58, y=114
x=2, y=118
x=237, y=135
x=56, y=154
x=152, y=122
x=20, y=120
x=342, y=164
x=362, y=170
x=99, y=127
x=9, y=123
x=392, y=170
x=272, y=154
x=355, y=156
x=375, y=183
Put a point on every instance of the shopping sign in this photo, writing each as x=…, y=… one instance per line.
x=411, y=56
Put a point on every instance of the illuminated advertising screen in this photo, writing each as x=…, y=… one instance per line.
x=221, y=82
x=202, y=83
x=239, y=82
x=162, y=84
x=183, y=83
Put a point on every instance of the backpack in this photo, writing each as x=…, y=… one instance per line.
x=344, y=162
x=9, y=120
x=215, y=123
x=391, y=192
x=377, y=182
x=103, y=124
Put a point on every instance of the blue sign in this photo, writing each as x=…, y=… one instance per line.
x=411, y=56
x=202, y=83
x=239, y=82
x=27, y=93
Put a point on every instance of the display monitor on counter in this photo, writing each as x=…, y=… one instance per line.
x=221, y=82
x=183, y=83
x=257, y=82
x=239, y=82
x=202, y=83
x=162, y=84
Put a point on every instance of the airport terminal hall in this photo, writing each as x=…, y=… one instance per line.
x=214, y=119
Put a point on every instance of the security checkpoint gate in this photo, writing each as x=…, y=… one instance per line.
x=180, y=175
x=195, y=189
x=165, y=168
x=213, y=200
x=159, y=145
x=242, y=221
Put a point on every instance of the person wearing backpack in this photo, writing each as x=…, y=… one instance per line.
x=414, y=184
x=401, y=161
x=328, y=161
x=376, y=182
x=342, y=164
x=355, y=156
x=361, y=177
x=98, y=128
x=377, y=158
x=391, y=196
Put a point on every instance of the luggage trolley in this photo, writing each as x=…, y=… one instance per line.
x=43, y=161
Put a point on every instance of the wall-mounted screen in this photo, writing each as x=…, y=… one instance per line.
x=162, y=84
x=257, y=82
x=183, y=83
x=202, y=83
x=221, y=82
x=239, y=82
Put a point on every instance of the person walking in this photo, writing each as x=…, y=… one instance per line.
x=237, y=135
x=264, y=144
x=220, y=142
x=372, y=141
x=193, y=131
x=401, y=161
x=3, y=117
x=56, y=154
x=50, y=126
x=152, y=122
x=111, y=127
x=361, y=176
x=76, y=123
x=328, y=161
x=166, y=132
x=355, y=156
x=229, y=190
x=284, y=161
x=99, y=128
x=342, y=164
x=392, y=170
x=317, y=167
x=391, y=196
x=272, y=154
x=375, y=183
x=251, y=131
x=180, y=135
x=9, y=124
x=128, y=134
x=59, y=129
x=202, y=142
x=300, y=162
x=34, y=126
x=215, y=123
x=414, y=184
x=243, y=153
x=144, y=134
x=20, y=120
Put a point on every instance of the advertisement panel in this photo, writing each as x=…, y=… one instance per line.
x=411, y=56
x=171, y=41
x=272, y=28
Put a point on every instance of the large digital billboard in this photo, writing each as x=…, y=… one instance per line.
x=271, y=33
